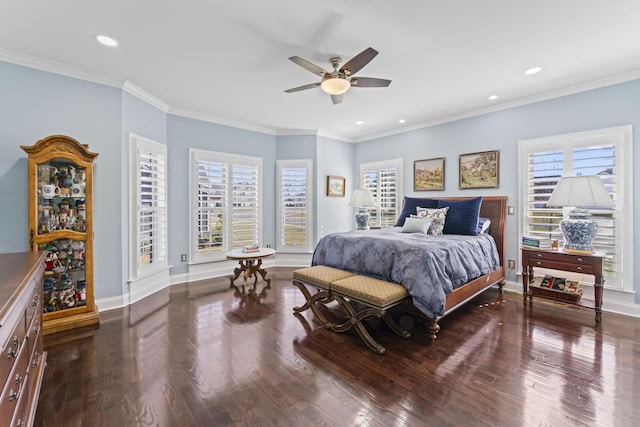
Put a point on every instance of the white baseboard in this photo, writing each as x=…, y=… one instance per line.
x=613, y=300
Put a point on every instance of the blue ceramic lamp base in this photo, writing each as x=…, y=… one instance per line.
x=362, y=219
x=578, y=230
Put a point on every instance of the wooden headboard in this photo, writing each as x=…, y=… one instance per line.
x=494, y=208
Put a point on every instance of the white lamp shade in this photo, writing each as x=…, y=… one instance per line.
x=362, y=198
x=335, y=85
x=580, y=191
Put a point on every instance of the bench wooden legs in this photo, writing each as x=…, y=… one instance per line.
x=354, y=319
x=322, y=296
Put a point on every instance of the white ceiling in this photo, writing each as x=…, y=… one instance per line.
x=226, y=61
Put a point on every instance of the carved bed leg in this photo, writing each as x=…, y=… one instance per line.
x=501, y=284
x=433, y=329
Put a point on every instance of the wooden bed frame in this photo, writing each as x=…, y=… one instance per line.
x=494, y=208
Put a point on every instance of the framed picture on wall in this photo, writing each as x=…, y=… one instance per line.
x=428, y=174
x=335, y=186
x=480, y=170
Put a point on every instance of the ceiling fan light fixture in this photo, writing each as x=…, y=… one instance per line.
x=335, y=85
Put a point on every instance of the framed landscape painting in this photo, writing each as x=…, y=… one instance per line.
x=480, y=170
x=335, y=186
x=428, y=174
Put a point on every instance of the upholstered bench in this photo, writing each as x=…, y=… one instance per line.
x=335, y=284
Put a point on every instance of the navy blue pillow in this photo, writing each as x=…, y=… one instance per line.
x=410, y=204
x=462, y=217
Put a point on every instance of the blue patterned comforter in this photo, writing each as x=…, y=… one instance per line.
x=429, y=266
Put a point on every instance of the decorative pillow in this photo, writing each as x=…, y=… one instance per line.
x=438, y=217
x=416, y=225
x=462, y=217
x=409, y=206
x=483, y=225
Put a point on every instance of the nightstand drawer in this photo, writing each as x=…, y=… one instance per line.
x=556, y=265
x=560, y=257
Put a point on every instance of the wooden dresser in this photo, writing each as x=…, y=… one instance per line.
x=22, y=360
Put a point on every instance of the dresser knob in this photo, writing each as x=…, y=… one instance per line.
x=11, y=354
x=538, y=263
x=539, y=255
x=13, y=395
x=579, y=259
x=579, y=268
x=36, y=360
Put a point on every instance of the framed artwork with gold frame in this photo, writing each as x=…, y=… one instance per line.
x=335, y=186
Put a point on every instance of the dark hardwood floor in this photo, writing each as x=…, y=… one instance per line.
x=228, y=359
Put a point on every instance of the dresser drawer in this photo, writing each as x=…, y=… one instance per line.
x=34, y=306
x=11, y=348
x=21, y=410
x=15, y=386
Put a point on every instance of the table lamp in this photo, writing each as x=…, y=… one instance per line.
x=362, y=199
x=579, y=192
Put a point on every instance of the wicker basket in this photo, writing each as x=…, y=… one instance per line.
x=556, y=294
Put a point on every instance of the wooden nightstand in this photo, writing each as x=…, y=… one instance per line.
x=558, y=260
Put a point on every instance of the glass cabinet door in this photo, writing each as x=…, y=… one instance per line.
x=65, y=283
x=61, y=197
x=60, y=174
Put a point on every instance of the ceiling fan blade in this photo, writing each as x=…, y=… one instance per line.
x=360, y=60
x=369, y=82
x=337, y=99
x=309, y=66
x=305, y=87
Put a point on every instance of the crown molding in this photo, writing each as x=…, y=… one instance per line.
x=571, y=90
x=220, y=120
x=83, y=74
x=145, y=96
x=296, y=132
x=57, y=68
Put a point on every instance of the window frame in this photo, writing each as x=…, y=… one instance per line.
x=376, y=212
x=136, y=270
x=306, y=164
x=229, y=159
x=621, y=138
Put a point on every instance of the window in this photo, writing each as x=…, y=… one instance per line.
x=226, y=203
x=294, y=206
x=149, y=193
x=605, y=153
x=384, y=180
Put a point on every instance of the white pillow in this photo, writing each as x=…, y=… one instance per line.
x=416, y=225
x=438, y=217
x=485, y=226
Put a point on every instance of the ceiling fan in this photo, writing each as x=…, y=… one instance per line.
x=337, y=82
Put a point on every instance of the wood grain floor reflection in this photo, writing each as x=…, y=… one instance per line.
x=234, y=359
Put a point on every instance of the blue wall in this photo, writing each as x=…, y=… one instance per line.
x=185, y=133
x=35, y=104
x=610, y=106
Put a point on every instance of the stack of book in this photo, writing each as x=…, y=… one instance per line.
x=250, y=248
x=536, y=242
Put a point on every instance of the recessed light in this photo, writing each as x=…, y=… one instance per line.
x=533, y=70
x=360, y=122
x=493, y=97
x=106, y=40
x=401, y=121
